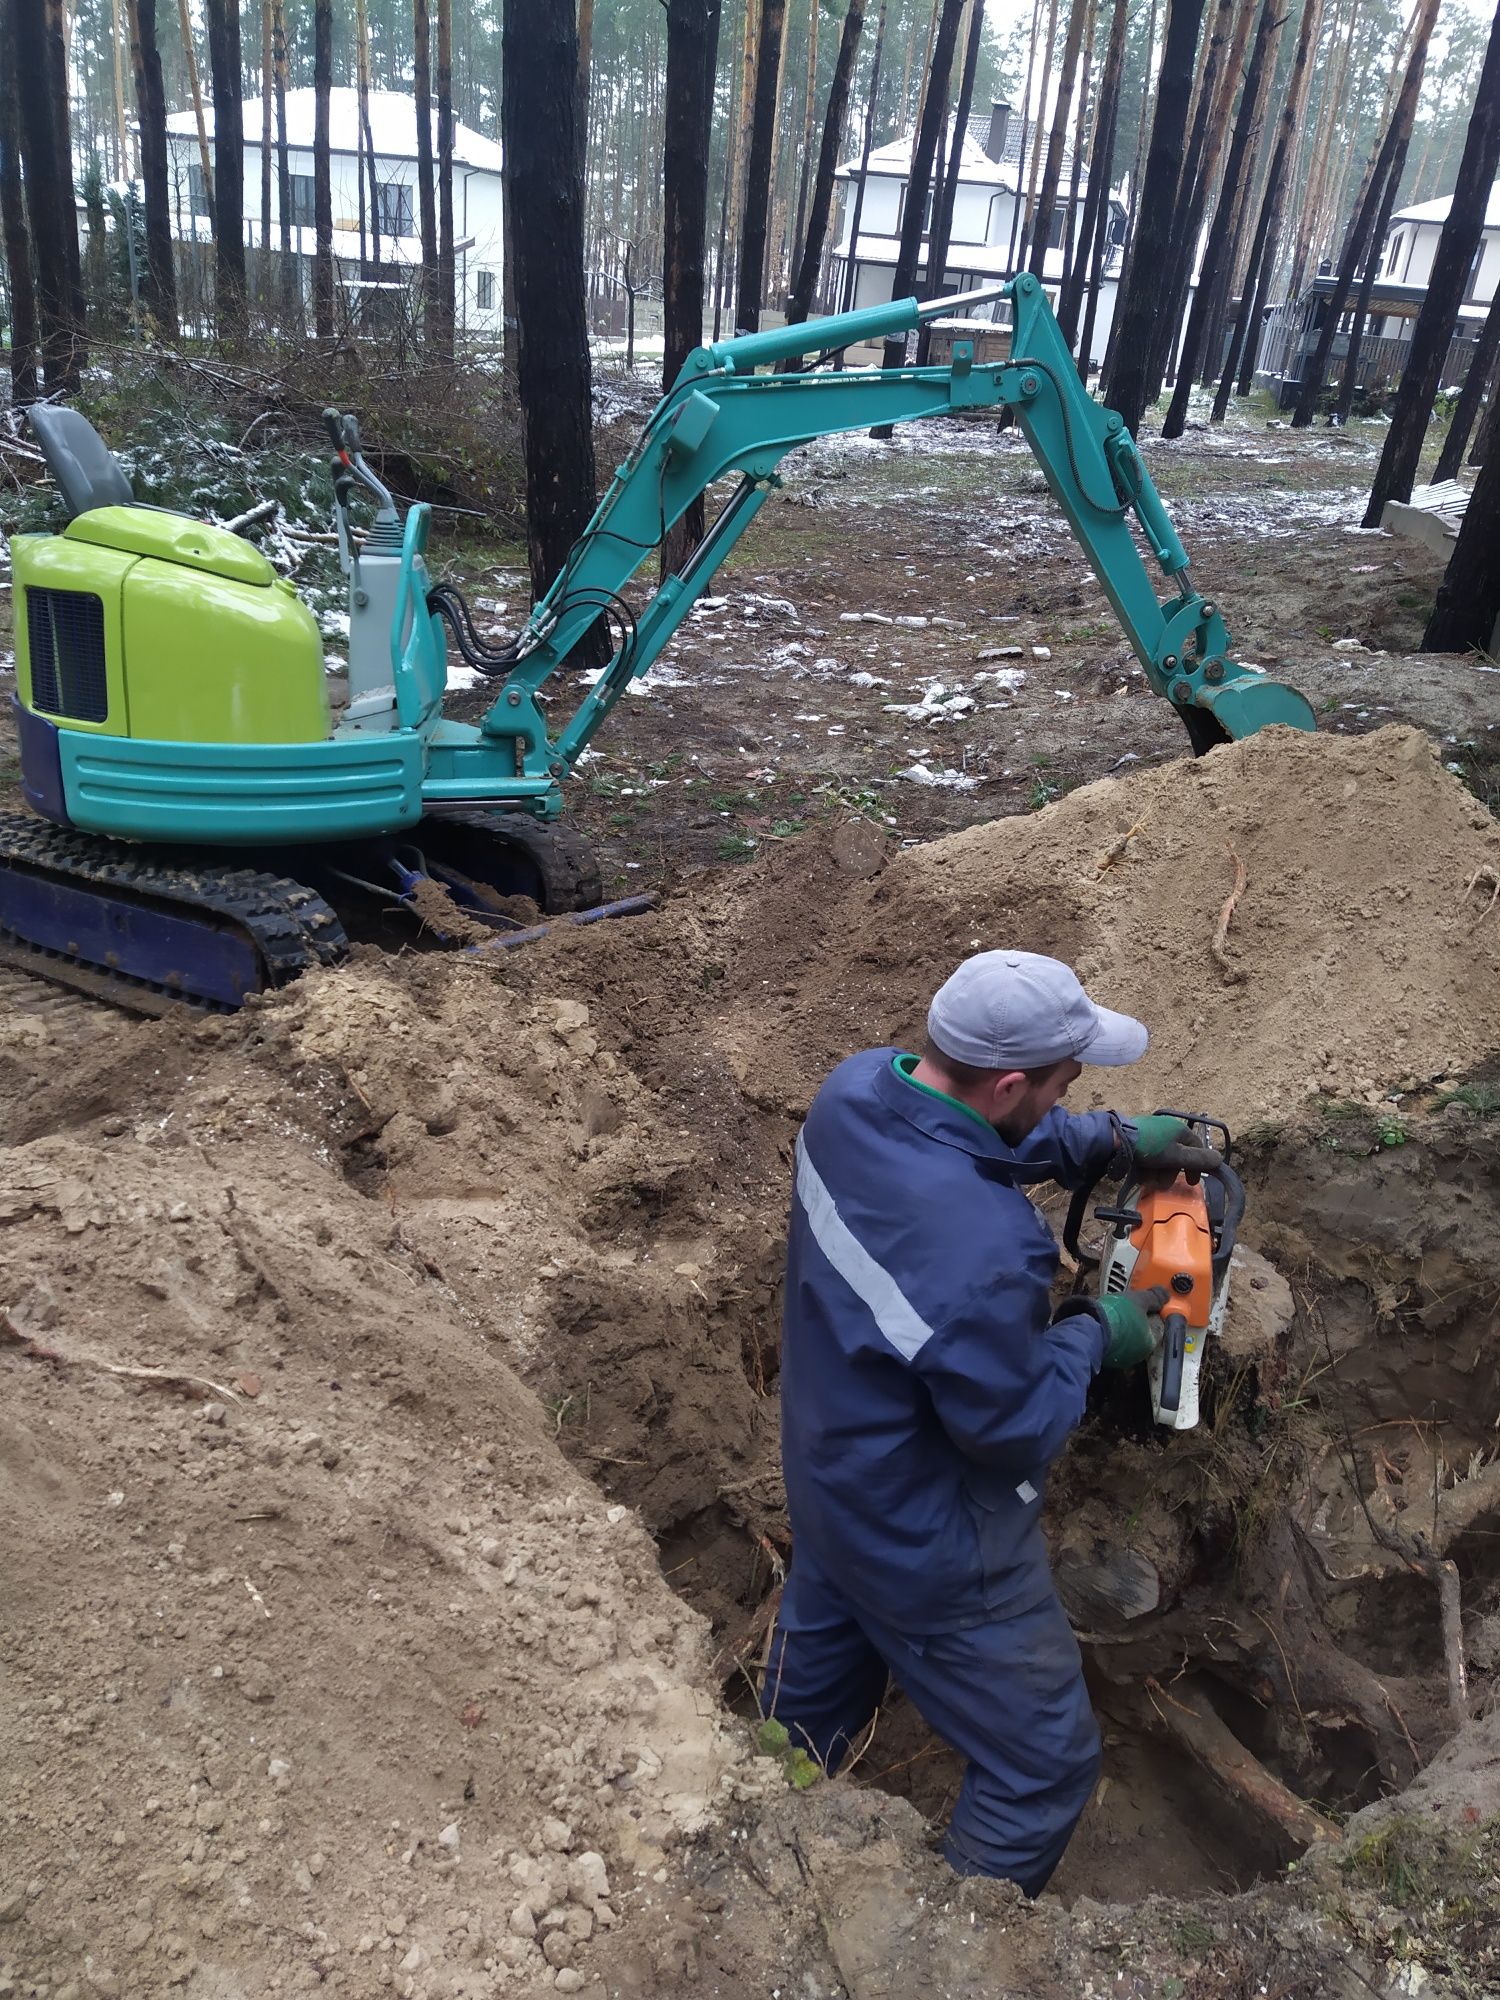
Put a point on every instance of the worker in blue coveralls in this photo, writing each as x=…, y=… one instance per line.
x=926, y=1385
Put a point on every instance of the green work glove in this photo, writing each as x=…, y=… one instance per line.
x=1160, y=1144
x=1132, y=1333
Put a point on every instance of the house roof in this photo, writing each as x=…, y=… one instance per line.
x=975, y=165
x=1437, y=211
x=393, y=126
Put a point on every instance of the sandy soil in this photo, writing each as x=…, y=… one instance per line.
x=389, y=1433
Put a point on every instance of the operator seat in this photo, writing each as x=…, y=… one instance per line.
x=87, y=472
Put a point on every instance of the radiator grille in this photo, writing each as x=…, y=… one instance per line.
x=65, y=633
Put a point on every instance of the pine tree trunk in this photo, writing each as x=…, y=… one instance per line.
x=366, y=135
x=727, y=195
x=1245, y=339
x=446, y=299
x=1217, y=246
x=1033, y=173
x=323, y=301
x=692, y=48
x=1481, y=368
x=1366, y=233
x=1451, y=267
x=1468, y=601
x=585, y=79
x=266, y=64
x=799, y=305
x=919, y=182
x=1135, y=311
x=809, y=113
x=538, y=106
x=1014, y=235
x=1057, y=138
x=117, y=66
x=851, y=269
x=151, y=107
x=46, y=162
x=1311, y=227
x=223, y=17
x=1221, y=78
x=294, y=315
x=426, y=195
x=941, y=234
x=1080, y=147
x=1096, y=246
x=1487, y=443
x=13, y=223
x=758, y=173
x=1097, y=198
x=195, y=90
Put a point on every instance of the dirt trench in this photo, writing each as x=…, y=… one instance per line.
x=392, y=1382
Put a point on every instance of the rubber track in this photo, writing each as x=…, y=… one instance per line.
x=290, y=925
x=566, y=862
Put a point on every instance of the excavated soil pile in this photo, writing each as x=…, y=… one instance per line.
x=1357, y=957
x=323, y=1668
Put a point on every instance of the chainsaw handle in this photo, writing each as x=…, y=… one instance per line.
x=1173, y=1360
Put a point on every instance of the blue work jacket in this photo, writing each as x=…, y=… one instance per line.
x=925, y=1386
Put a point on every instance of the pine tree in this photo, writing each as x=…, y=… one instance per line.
x=538, y=107
x=13, y=222
x=38, y=39
x=1451, y=265
x=446, y=304
x=799, y=305
x=229, y=167
x=1467, y=612
x=1481, y=369
x=758, y=169
x=692, y=47
x=160, y=288
x=323, y=302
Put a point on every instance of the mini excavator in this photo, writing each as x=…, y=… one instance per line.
x=201, y=828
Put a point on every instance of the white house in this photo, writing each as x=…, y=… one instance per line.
x=984, y=216
x=393, y=130
x=1411, y=244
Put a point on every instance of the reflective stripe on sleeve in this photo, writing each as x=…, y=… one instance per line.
x=871, y=1283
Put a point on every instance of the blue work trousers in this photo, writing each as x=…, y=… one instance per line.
x=1008, y=1695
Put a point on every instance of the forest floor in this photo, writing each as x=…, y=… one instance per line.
x=389, y=1438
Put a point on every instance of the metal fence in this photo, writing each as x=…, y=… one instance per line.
x=1290, y=334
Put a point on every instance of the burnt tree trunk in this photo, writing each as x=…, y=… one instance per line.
x=1451, y=268
x=1070, y=247
x=426, y=195
x=46, y=160
x=1467, y=611
x=1057, y=137
x=1136, y=311
x=229, y=167
x=851, y=269
x=151, y=104
x=266, y=61
x=538, y=106
x=758, y=171
x=941, y=233
x=1244, y=339
x=1094, y=232
x=1200, y=169
x=447, y=304
x=366, y=136
x=692, y=50
x=323, y=319
x=1365, y=236
x=799, y=305
x=1481, y=369
x=1221, y=228
x=13, y=223
x=919, y=183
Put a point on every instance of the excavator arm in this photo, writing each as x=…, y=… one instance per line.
x=722, y=418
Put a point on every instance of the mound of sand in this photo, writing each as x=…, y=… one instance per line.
x=1358, y=958
x=323, y=1668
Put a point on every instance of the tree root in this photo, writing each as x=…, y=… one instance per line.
x=1218, y=942
x=1186, y=1714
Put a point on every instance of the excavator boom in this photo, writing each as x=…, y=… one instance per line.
x=721, y=418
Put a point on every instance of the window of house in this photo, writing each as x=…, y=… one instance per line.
x=395, y=208
x=304, y=209
x=926, y=213
x=198, y=202
x=484, y=290
x=1393, y=252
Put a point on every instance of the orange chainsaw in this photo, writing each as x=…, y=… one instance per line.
x=1177, y=1232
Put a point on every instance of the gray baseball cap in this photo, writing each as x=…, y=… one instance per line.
x=1018, y=1010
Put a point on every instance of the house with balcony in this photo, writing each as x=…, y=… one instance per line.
x=988, y=217
x=1396, y=296
x=377, y=246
